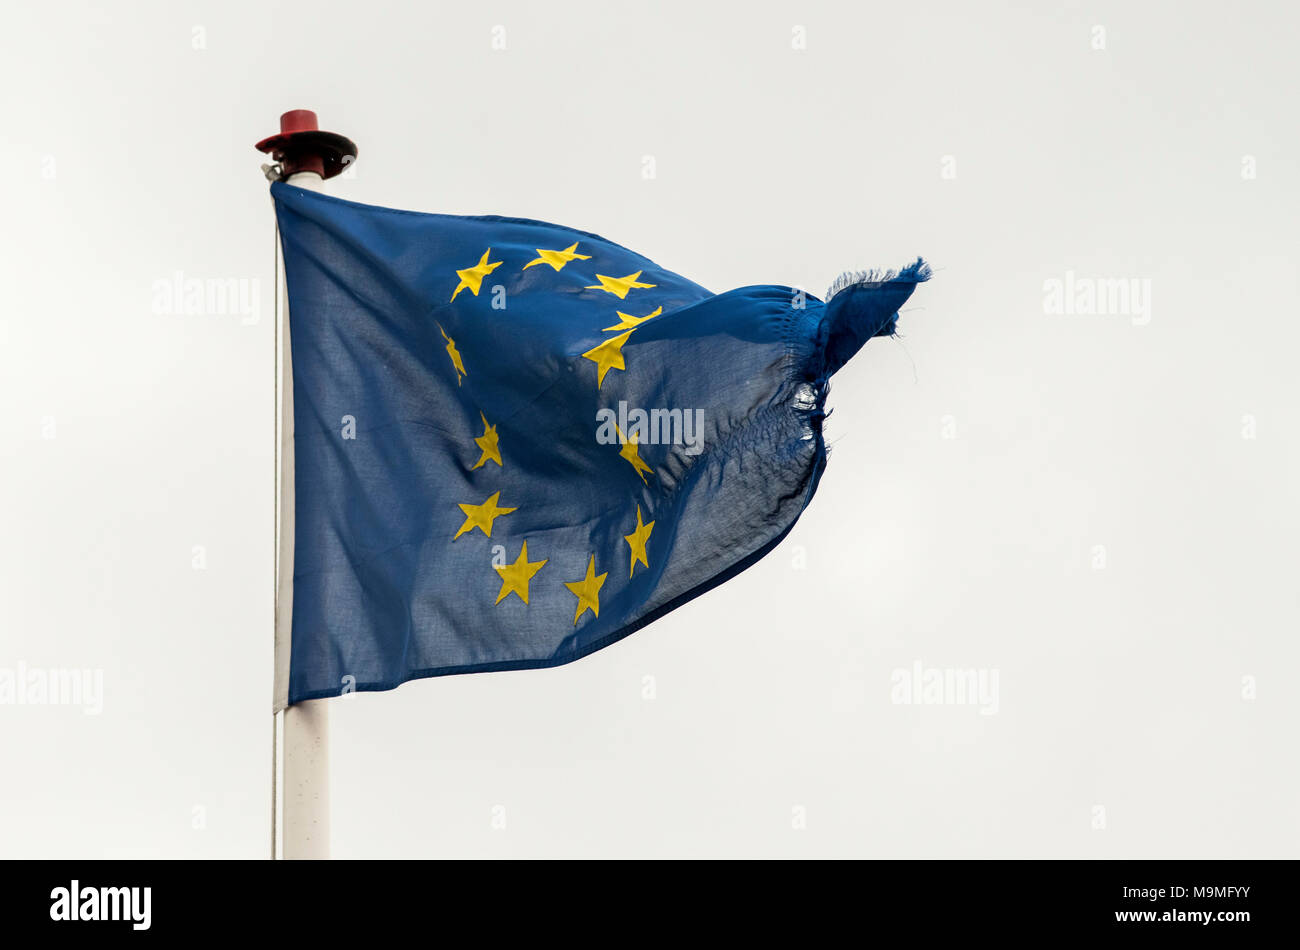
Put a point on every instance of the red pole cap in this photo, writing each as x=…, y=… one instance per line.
x=302, y=147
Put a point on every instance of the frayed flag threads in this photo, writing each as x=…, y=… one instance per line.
x=915, y=273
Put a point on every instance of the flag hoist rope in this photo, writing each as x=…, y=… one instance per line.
x=275, y=539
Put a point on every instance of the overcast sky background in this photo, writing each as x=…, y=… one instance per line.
x=1101, y=509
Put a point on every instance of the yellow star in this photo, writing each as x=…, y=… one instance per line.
x=454, y=354
x=636, y=541
x=629, y=452
x=608, y=355
x=587, y=590
x=481, y=516
x=557, y=259
x=488, y=443
x=618, y=286
x=630, y=322
x=472, y=277
x=515, y=577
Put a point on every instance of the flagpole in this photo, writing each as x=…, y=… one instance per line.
x=305, y=751
x=300, y=776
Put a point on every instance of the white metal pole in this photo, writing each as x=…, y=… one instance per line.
x=305, y=750
x=306, y=780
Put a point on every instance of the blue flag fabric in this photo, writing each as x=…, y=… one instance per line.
x=516, y=443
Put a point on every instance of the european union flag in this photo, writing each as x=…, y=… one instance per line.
x=516, y=443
